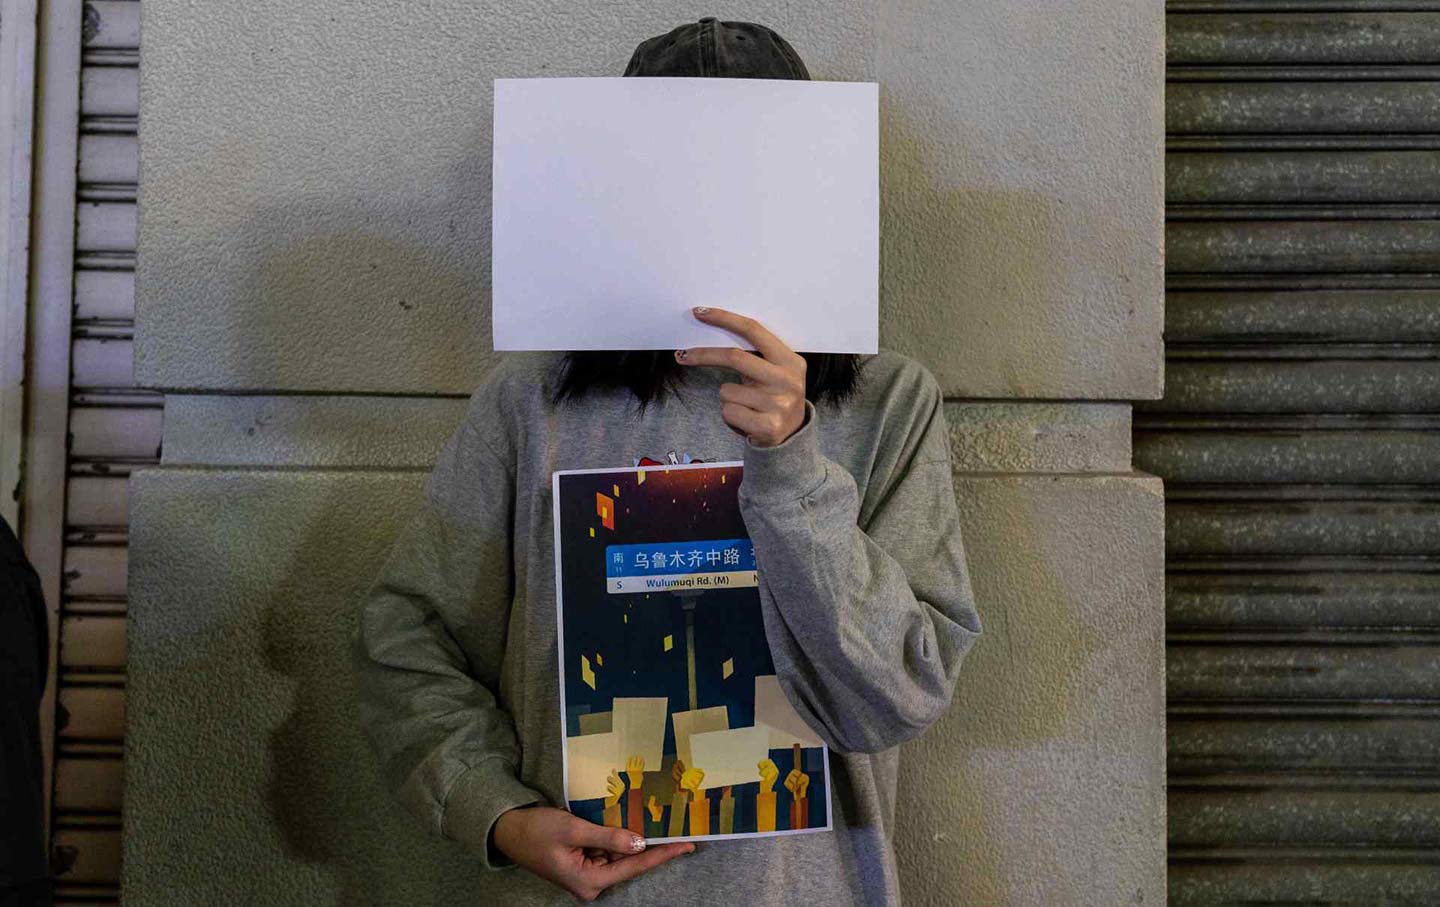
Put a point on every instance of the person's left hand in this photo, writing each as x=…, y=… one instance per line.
x=768, y=405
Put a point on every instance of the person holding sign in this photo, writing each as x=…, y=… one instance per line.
x=848, y=498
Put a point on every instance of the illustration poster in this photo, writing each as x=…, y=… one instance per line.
x=674, y=722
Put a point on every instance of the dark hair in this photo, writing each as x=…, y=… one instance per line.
x=650, y=374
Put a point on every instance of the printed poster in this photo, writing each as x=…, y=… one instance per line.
x=674, y=722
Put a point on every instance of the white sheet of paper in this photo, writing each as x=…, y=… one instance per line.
x=589, y=759
x=730, y=757
x=620, y=203
x=715, y=718
x=640, y=722
x=787, y=728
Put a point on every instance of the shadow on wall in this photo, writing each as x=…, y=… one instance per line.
x=314, y=755
x=244, y=591
x=951, y=252
x=367, y=270
x=322, y=786
x=369, y=276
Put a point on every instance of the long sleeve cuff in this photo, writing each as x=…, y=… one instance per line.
x=790, y=469
x=482, y=794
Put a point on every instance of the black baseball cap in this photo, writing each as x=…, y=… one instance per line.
x=729, y=50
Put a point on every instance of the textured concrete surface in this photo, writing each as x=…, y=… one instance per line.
x=407, y=432
x=393, y=432
x=246, y=780
x=316, y=184
x=1039, y=437
x=1022, y=194
x=1044, y=785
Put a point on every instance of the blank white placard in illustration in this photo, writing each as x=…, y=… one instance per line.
x=730, y=757
x=589, y=759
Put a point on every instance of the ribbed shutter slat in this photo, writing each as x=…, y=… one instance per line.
x=93, y=713
x=105, y=296
x=109, y=91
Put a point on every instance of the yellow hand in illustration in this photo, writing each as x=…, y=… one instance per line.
x=691, y=779
x=655, y=808
x=797, y=782
x=614, y=787
x=769, y=773
x=635, y=771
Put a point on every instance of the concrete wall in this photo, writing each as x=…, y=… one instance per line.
x=312, y=291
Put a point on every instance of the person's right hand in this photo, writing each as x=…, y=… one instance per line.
x=581, y=857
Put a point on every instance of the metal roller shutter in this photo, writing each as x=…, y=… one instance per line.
x=112, y=428
x=1299, y=446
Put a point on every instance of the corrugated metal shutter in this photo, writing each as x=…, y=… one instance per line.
x=1299, y=446
x=113, y=429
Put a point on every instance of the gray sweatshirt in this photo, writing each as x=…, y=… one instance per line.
x=863, y=584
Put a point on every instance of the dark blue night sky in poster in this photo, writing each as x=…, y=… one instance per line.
x=620, y=644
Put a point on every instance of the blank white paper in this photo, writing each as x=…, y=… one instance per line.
x=620, y=203
x=698, y=721
x=732, y=757
x=640, y=723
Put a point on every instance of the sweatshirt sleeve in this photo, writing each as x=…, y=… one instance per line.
x=868, y=624
x=428, y=647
